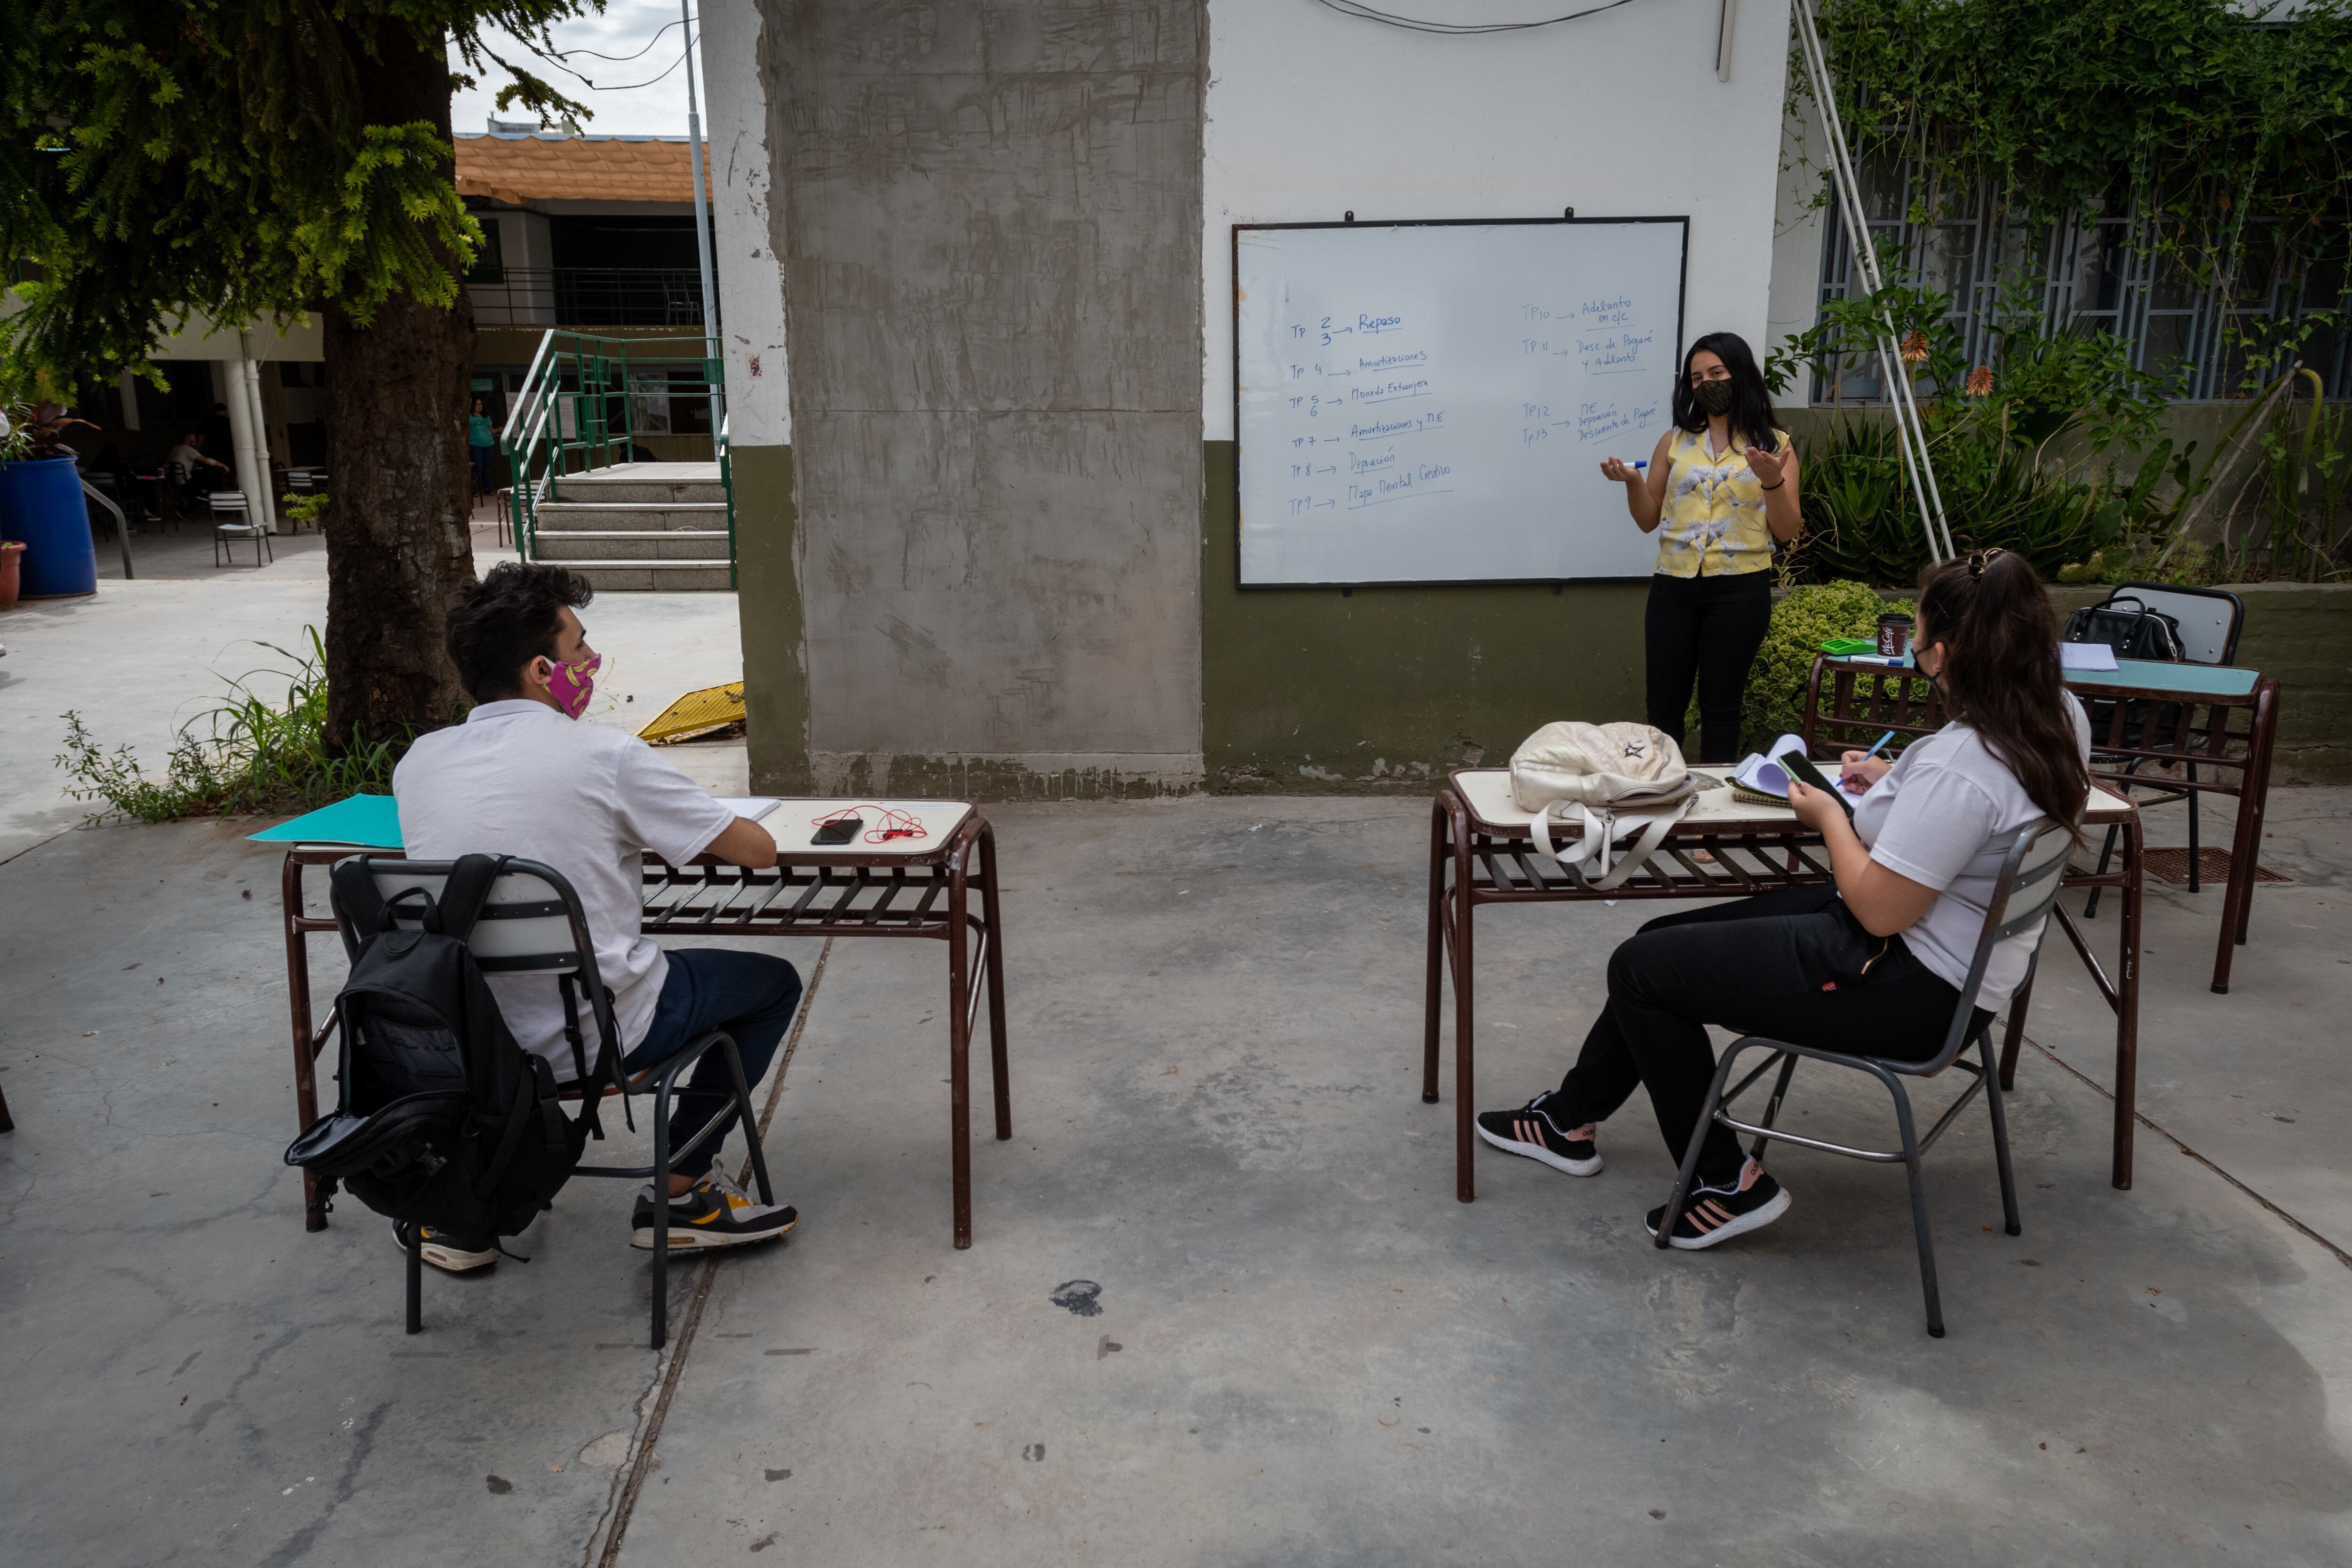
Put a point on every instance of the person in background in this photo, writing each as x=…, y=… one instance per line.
x=1873, y=963
x=193, y=471
x=1721, y=492
x=482, y=449
x=526, y=775
x=219, y=434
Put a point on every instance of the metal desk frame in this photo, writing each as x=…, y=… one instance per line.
x=848, y=892
x=1473, y=863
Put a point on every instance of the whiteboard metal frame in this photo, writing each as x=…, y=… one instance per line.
x=1682, y=293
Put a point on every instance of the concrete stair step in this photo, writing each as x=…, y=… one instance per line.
x=583, y=516
x=638, y=492
x=615, y=544
x=654, y=576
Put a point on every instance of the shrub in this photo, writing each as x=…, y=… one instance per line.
x=1802, y=619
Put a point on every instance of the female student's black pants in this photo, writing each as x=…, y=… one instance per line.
x=1709, y=628
x=1791, y=965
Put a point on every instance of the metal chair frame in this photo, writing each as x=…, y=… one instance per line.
x=221, y=503
x=2028, y=886
x=2150, y=595
x=574, y=964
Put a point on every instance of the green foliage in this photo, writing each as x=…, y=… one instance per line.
x=301, y=509
x=254, y=756
x=1802, y=619
x=246, y=159
x=2197, y=114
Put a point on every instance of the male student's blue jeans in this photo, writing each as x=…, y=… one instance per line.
x=750, y=996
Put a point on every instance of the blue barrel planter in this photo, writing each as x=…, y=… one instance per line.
x=41, y=504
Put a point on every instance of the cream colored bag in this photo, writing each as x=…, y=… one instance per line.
x=1614, y=780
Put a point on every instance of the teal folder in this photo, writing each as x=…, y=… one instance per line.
x=364, y=821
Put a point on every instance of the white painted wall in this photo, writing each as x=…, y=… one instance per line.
x=750, y=282
x=1311, y=113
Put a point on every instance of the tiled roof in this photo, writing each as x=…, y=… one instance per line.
x=519, y=169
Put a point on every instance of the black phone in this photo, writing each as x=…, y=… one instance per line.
x=1799, y=766
x=840, y=832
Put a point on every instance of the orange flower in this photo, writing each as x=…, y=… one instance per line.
x=1981, y=381
x=1915, y=348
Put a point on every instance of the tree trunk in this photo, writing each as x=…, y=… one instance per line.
x=398, y=542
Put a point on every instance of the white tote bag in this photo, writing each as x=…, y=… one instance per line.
x=1615, y=781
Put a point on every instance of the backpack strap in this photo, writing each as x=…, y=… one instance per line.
x=357, y=903
x=590, y=1092
x=534, y=1100
x=465, y=893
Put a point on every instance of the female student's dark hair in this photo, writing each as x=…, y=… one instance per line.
x=1752, y=401
x=509, y=618
x=2002, y=675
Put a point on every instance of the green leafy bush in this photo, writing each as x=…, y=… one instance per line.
x=1802, y=619
x=254, y=756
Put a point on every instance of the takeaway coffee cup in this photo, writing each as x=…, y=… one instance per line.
x=1894, y=634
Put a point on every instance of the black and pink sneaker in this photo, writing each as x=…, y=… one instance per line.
x=1719, y=1214
x=1530, y=1130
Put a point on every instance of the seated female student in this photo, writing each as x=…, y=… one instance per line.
x=1873, y=965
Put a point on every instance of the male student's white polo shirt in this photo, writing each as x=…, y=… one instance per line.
x=519, y=778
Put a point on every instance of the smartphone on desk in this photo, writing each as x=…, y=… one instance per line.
x=840, y=832
x=1799, y=766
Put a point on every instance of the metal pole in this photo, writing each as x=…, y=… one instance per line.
x=711, y=375
x=1910, y=433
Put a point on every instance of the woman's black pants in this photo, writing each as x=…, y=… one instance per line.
x=1791, y=965
x=1709, y=628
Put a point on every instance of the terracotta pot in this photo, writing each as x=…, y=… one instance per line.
x=10, y=551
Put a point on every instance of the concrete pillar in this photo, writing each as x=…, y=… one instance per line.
x=263, y=503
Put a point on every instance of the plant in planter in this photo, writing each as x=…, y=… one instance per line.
x=41, y=504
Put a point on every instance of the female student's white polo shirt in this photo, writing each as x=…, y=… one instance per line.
x=1945, y=816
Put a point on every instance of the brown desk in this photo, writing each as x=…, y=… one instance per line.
x=921, y=888
x=1482, y=851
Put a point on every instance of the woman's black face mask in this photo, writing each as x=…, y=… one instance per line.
x=1713, y=397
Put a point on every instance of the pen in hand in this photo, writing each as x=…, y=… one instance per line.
x=1847, y=780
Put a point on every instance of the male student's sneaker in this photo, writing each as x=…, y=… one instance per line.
x=1719, y=1214
x=445, y=1252
x=714, y=1211
x=1530, y=1130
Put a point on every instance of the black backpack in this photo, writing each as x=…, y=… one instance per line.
x=442, y=1119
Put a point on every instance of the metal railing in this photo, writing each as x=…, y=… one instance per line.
x=587, y=297
x=582, y=404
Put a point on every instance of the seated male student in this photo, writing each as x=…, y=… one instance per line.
x=525, y=775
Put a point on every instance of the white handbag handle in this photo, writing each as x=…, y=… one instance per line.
x=1588, y=861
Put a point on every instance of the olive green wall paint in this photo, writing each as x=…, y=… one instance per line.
x=768, y=604
x=1304, y=690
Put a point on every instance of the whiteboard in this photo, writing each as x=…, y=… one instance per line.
x=1430, y=403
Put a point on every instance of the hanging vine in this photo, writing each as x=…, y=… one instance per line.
x=2200, y=116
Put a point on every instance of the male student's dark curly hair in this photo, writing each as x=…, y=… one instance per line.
x=509, y=618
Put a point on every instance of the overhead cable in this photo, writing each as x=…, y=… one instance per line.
x=1362, y=12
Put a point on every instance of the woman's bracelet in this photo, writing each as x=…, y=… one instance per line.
x=1775, y=485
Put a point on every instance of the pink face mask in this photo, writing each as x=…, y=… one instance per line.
x=572, y=685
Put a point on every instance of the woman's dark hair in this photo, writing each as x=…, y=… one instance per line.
x=1751, y=402
x=2002, y=675
x=509, y=618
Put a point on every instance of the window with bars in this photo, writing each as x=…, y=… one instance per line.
x=2096, y=269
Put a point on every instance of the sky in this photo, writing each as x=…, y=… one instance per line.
x=623, y=108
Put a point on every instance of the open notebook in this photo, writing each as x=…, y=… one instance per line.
x=1759, y=776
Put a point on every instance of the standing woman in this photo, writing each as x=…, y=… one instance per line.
x=482, y=449
x=1720, y=493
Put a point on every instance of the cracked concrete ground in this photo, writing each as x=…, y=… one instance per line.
x=1298, y=1347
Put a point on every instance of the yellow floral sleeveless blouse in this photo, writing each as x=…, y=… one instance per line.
x=1711, y=523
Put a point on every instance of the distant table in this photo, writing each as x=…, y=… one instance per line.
x=2186, y=717
x=920, y=887
x=1482, y=851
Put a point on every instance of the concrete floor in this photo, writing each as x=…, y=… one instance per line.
x=138, y=659
x=1305, y=1349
